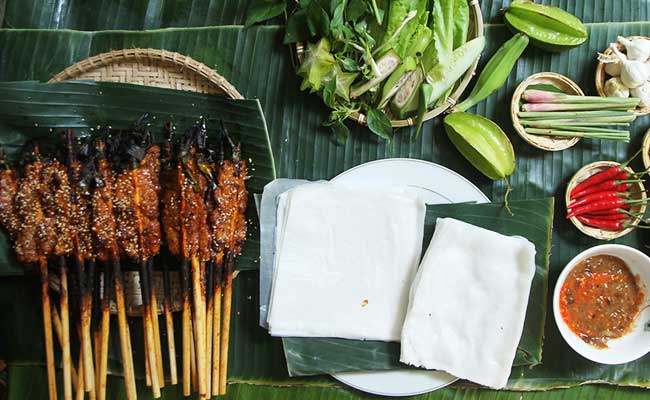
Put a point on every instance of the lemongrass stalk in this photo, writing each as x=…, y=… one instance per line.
x=573, y=107
x=543, y=96
x=576, y=114
x=575, y=121
x=593, y=135
x=578, y=128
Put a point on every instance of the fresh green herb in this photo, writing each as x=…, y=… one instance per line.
x=261, y=10
x=379, y=124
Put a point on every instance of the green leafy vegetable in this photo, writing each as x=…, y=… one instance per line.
x=379, y=124
x=261, y=10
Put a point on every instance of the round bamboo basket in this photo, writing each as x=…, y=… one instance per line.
x=550, y=143
x=601, y=75
x=150, y=67
x=645, y=152
x=476, y=30
x=158, y=68
x=638, y=192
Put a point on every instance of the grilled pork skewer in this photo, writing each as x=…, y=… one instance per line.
x=171, y=177
x=34, y=241
x=170, y=219
x=195, y=236
x=105, y=232
x=136, y=204
x=55, y=197
x=82, y=240
x=231, y=198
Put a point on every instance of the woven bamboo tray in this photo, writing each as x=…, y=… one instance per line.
x=601, y=75
x=158, y=68
x=550, y=143
x=638, y=193
x=150, y=67
x=475, y=30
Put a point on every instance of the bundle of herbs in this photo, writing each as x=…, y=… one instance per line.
x=384, y=59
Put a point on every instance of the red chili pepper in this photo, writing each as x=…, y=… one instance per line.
x=610, y=173
x=620, y=184
x=610, y=211
x=611, y=217
x=602, y=223
x=602, y=205
x=609, y=194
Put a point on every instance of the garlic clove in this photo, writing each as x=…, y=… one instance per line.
x=615, y=88
x=637, y=49
x=613, y=68
x=633, y=73
x=643, y=93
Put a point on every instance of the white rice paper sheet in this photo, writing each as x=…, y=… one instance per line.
x=345, y=259
x=468, y=303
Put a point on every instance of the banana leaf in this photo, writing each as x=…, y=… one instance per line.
x=302, y=149
x=532, y=219
x=95, y=15
x=32, y=111
x=30, y=382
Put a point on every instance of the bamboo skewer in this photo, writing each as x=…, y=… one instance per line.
x=199, y=323
x=195, y=378
x=47, y=329
x=187, y=330
x=225, y=334
x=79, y=389
x=216, y=330
x=156, y=324
x=123, y=327
x=65, y=331
x=148, y=330
x=169, y=321
x=58, y=330
x=105, y=329
x=209, y=288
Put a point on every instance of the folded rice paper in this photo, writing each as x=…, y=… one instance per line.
x=468, y=303
x=345, y=260
x=531, y=219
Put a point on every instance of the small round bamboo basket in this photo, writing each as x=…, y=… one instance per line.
x=550, y=143
x=645, y=149
x=476, y=30
x=150, y=67
x=638, y=193
x=601, y=75
x=159, y=68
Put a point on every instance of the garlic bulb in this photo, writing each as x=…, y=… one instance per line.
x=615, y=88
x=637, y=49
x=643, y=93
x=612, y=63
x=633, y=73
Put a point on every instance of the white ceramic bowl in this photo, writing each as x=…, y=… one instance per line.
x=635, y=343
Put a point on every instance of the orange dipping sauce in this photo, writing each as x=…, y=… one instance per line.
x=600, y=299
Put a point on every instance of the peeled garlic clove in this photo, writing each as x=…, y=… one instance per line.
x=633, y=73
x=613, y=68
x=612, y=63
x=615, y=88
x=643, y=93
x=637, y=49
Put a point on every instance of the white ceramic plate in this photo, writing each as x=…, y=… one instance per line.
x=437, y=185
x=632, y=345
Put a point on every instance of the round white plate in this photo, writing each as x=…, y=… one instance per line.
x=437, y=185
